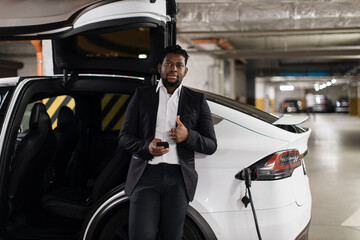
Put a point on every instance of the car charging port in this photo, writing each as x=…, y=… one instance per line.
x=248, y=175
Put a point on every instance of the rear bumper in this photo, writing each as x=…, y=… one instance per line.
x=342, y=109
x=304, y=235
x=289, y=222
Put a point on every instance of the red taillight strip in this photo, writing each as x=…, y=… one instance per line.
x=274, y=163
x=270, y=167
x=278, y=165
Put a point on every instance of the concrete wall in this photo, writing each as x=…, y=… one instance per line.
x=200, y=72
x=48, y=68
x=20, y=51
x=210, y=74
x=240, y=83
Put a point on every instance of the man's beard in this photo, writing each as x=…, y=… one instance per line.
x=170, y=84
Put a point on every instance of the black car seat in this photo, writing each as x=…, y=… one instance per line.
x=30, y=160
x=66, y=134
x=75, y=203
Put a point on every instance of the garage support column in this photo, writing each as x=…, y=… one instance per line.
x=353, y=100
x=250, y=83
x=231, y=78
x=270, y=98
x=218, y=77
x=240, y=83
x=48, y=68
x=358, y=100
x=260, y=93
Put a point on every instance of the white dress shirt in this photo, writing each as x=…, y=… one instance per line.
x=166, y=119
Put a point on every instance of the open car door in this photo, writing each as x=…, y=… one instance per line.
x=94, y=36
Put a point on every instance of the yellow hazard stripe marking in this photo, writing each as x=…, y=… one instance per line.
x=119, y=123
x=105, y=100
x=272, y=105
x=353, y=106
x=119, y=103
x=44, y=101
x=260, y=103
x=54, y=107
x=71, y=104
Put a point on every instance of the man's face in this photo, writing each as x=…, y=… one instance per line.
x=172, y=69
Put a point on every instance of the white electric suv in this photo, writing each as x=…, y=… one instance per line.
x=61, y=172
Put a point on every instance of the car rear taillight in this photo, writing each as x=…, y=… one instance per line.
x=276, y=166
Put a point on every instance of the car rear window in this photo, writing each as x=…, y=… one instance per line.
x=245, y=108
x=130, y=43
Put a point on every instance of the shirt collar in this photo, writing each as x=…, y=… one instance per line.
x=177, y=91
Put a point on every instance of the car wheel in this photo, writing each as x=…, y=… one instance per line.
x=116, y=228
x=191, y=231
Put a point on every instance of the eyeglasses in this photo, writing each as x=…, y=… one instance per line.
x=171, y=65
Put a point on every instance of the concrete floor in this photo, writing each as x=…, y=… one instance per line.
x=333, y=166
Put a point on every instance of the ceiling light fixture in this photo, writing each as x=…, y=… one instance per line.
x=287, y=88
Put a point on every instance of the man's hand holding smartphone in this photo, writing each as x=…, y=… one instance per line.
x=158, y=148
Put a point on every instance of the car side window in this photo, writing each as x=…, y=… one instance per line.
x=216, y=119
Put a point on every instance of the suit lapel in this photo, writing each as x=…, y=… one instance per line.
x=153, y=109
x=182, y=101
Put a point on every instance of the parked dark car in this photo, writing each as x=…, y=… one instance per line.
x=322, y=104
x=342, y=105
x=291, y=106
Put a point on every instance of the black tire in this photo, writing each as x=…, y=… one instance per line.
x=192, y=231
x=116, y=228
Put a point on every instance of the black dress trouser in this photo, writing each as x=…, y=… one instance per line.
x=158, y=204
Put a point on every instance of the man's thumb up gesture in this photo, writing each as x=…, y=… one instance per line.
x=180, y=133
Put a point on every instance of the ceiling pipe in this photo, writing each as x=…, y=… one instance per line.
x=221, y=42
x=338, y=52
x=243, y=15
x=267, y=33
x=39, y=56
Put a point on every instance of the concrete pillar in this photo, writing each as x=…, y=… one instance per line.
x=250, y=83
x=48, y=68
x=215, y=71
x=353, y=100
x=270, y=98
x=240, y=83
x=260, y=93
x=232, y=78
x=358, y=100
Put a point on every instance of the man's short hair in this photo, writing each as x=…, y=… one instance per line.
x=176, y=49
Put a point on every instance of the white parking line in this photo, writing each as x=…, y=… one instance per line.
x=353, y=220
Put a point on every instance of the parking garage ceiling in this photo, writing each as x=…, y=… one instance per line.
x=310, y=39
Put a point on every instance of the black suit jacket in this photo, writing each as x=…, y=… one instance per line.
x=138, y=130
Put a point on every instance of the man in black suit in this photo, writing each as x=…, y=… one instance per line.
x=162, y=180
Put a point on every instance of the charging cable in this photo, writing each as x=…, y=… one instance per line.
x=246, y=175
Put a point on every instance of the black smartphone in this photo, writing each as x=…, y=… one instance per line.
x=164, y=144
